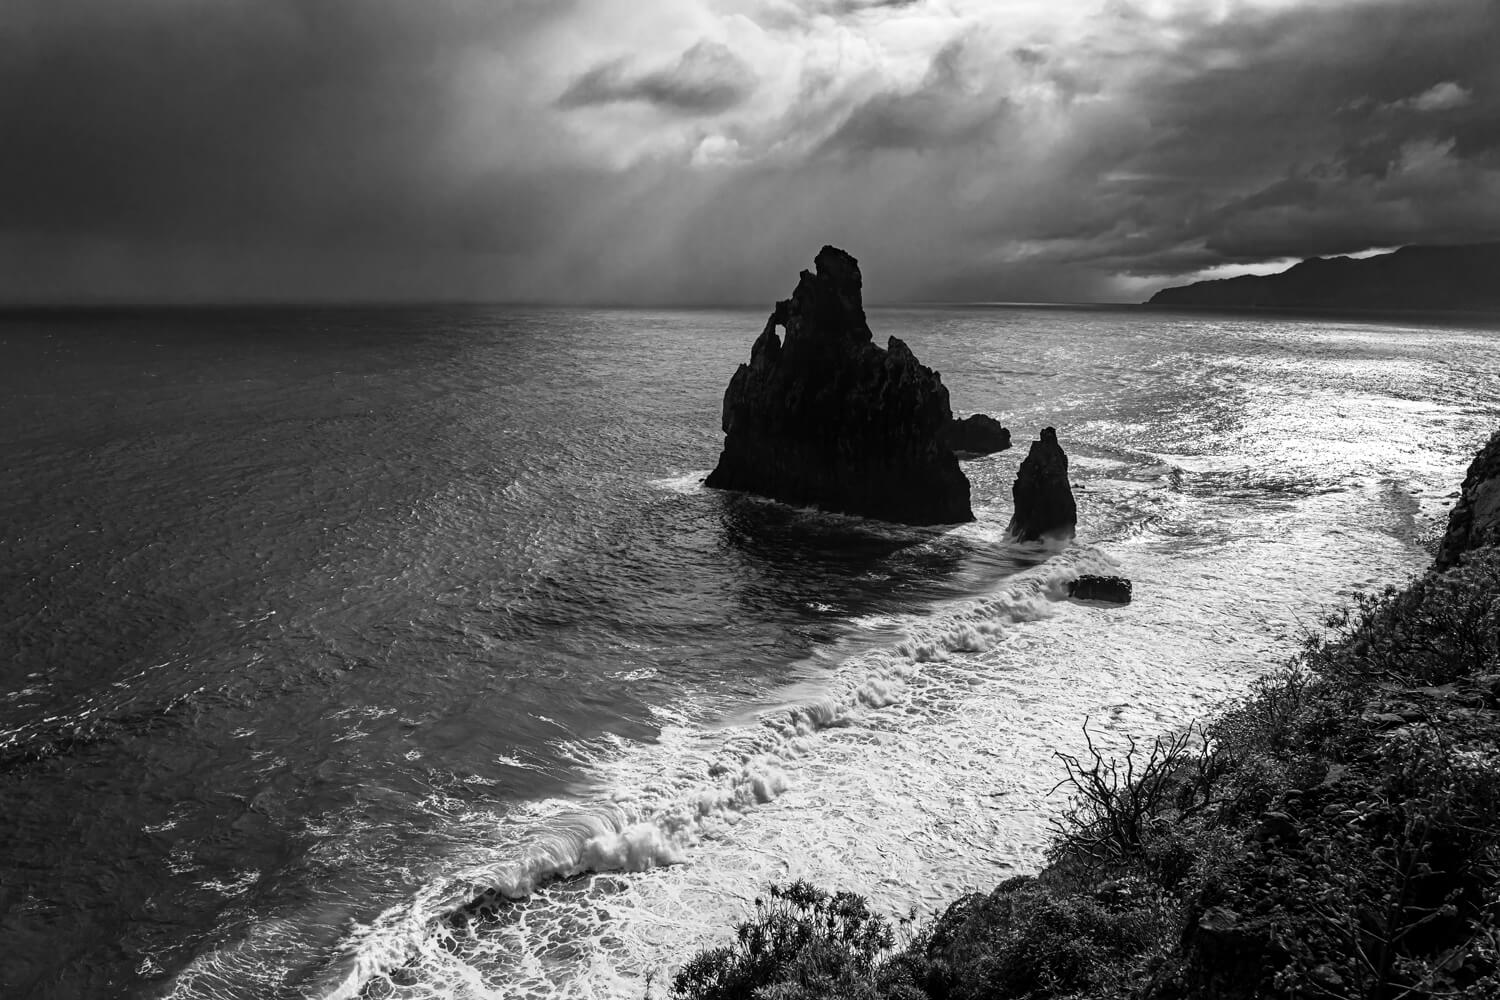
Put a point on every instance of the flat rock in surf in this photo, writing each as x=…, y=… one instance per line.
x=1475, y=520
x=1042, y=493
x=975, y=435
x=1088, y=587
x=827, y=418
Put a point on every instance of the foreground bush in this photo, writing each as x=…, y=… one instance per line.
x=1333, y=835
x=1027, y=939
x=803, y=942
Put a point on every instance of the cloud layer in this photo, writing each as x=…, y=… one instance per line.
x=707, y=79
x=700, y=151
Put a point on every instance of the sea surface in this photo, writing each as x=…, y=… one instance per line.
x=401, y=653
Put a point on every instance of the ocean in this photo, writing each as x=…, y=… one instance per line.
x=400, y=652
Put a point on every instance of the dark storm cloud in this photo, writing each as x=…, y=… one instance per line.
x=356, y=148
x=243, y=120
x=1308, y=133
x=707, y=79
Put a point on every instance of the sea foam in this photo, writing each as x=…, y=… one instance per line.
x=717, y=778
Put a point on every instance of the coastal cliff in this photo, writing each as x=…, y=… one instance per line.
x=1425, y=278
x=1475, y=521
x=1333, y=834
x=827, y=418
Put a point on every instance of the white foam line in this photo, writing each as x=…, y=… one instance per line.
x=643, y=828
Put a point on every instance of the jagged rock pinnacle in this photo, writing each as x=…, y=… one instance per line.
x=824, y=417
x=1043, y=496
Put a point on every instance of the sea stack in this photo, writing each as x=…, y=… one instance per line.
x=826, y=418
x=1043, y=496
x=1475, y=519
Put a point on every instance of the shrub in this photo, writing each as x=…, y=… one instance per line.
x=1378, y=885
x=1442, y=627
x=1118, y=806
x=1026, y=939
x=803, y=942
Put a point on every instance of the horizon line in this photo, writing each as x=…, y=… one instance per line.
x=146, y=304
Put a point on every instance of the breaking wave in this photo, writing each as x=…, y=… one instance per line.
x=710, y=778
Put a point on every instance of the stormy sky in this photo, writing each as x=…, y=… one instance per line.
x=700, y=151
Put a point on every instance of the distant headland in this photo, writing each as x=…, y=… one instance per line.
x=1419, y=278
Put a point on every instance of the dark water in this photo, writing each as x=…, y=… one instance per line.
x=295, y=601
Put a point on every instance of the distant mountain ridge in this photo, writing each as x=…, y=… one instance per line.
x=1437, y=278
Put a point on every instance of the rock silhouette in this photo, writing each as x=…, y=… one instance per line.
x=1438, y=278
x=1043, y=496
x=829, y=419
x=1475, y=520
x=977, y=434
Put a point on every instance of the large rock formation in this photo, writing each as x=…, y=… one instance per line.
x=976, y=434
x=827, y=418
x=1043, y=496
x=1420, y=278
x=1475, y=519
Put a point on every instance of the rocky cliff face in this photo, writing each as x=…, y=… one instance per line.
x=1042, y=493
x=827, y=418
x=1475, y=520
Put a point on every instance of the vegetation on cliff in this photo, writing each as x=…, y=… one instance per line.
x=1334, y=834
